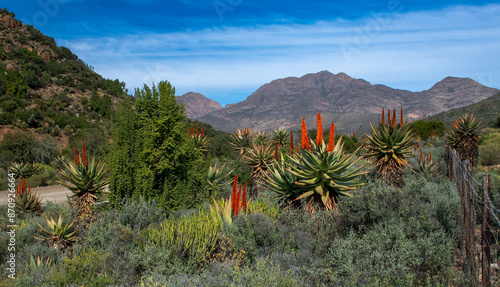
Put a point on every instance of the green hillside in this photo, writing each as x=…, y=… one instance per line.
x=486, y=111
x=46, y=87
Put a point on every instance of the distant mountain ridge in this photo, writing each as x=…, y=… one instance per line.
x=198, y=105
x=342, y=99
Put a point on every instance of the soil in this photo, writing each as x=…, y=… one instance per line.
x=54, y=193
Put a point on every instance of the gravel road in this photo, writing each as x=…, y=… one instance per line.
x=54, y=193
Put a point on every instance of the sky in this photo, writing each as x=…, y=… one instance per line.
x=227, y=49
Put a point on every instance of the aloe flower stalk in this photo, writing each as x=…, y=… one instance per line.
x=331, y=138
x=319, y=133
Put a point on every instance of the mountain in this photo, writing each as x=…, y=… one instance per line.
x=46, y=88
x=348, y=102
x=197, y=105
x=486, y=111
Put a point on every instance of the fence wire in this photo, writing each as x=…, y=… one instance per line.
x=480, y=223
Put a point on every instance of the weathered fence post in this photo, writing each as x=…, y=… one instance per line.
x=486, y=258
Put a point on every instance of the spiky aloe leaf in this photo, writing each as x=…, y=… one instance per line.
x=241, y=140
x=259, y=158
x=280, y=136
x=464, y=137
x=58, y=234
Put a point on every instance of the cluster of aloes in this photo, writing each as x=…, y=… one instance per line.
x=234, y=205
x=280, y=136
x=426, y=166
x=201, y=141
x=432, y=140
x=388, y=146
x=464, y=137
x=26, y=201
x=318, y=172
x=259, y=158
x=86, y=179
x=24, y=170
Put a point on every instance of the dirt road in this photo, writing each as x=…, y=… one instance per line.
x=54, y=193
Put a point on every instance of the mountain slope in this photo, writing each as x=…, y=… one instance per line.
x=347, y=101
x=47, y=88
x=197, y=105
x=487, y=111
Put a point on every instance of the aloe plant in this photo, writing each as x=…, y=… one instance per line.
x=280, y=136
x=85, y=179
x=319, y=173
x=237, y=203
x=58, y=235
x=259, y=158
x=241, y=140
x=464, y=137
x=201, y=141
x=426, y=166
x=388, y=146
x=24, y=170
x=26, y=201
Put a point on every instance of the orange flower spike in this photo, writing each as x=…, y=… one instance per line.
x=319, y=133
x=383, y=119
x=202, y=131
x=430, y=156
x=331, y=138
x=291, y=143
x=29, y=189
x=84, y=154
x=304, y=133
x=77, y=157
x=394, y=118
x=196, y=129
x=421, y=156
x=244, y=197
x=455, y=124
x=276, y=151
x=237, y=202
x=402, y=121
x=388, y=117
x=23, y=185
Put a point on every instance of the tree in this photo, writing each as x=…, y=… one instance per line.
x=152, y=155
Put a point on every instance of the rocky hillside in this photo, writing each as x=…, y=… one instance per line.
x=344, y=100
x=45, y=87
x=197, y=105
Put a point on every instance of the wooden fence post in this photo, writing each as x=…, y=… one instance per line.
x=486, y=258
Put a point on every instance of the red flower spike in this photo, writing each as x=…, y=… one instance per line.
x=304, y=133
x=276, y=151
x=383, y=119
x=77, y=157
x=388, y=117
x=202, y=131
x=401, y=124
x=394, y=118
x=233, y=194
x=291, y=143
x=244, y=197
x=421, y=156
x=430, y=156
x=455, y=124
x=331, y=138
x=237, y=202
x=23, y=185
x=84, y=154
x=319, y=133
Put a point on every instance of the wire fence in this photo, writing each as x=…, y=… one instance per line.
x=480, y=222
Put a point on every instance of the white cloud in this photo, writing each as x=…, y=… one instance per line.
x=403, y=50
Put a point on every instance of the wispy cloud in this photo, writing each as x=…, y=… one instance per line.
x=410, y=50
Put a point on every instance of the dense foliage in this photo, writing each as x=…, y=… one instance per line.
x=153, y=155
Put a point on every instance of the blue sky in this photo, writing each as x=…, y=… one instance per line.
x=226, y=49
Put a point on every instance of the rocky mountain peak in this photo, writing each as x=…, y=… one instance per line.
x=197, y=105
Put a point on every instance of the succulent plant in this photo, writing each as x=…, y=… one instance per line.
x=26, y=201
x=426, y=166
x=57, y=235
x=24, y=170
x=261, y=138
x=464, y=137
x=320, y=173
x=259, y=157
x=85, y=179
x=201, y=141
x=241, y=140
x=388, y=146
x=280, y=136
x=237, y=203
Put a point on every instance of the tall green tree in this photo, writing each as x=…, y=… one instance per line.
x=152, y=154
